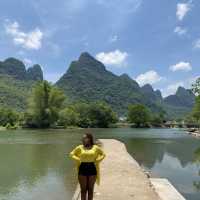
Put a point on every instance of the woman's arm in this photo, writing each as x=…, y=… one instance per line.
x=101, y=154
x=74, y=154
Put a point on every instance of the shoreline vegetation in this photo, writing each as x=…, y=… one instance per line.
x=48, y=107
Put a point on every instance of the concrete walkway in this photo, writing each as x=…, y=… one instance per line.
x=165, y=189
x=121, y=176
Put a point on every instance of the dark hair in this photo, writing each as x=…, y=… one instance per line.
x=90, y=137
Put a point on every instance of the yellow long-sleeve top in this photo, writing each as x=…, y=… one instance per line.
x=95, y=154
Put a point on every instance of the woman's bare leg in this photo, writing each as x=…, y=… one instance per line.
x=83, y=185
x=91, y=182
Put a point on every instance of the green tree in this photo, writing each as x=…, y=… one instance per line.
x=88, y=115
x=190, y=121
x=139, y=115
x=69, y=117
x=44, y=105
x=196, y=87
x=196, y=109
x=101, y=115
x=8, y=117
x=157, y=119
x=83, y=110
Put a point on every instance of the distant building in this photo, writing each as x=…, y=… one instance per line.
x=122, y=119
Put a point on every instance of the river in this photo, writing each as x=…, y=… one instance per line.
x=35, y=164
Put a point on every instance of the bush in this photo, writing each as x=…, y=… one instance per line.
x=8, y=116
x=68, y=117
x=95, y=115
x=139, y=115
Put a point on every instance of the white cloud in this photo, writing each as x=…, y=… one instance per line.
x=172, y=88
x=149, y=77
x=117, y=57
x=28, y=40
x=180, y=31
x=181, y=66
x=182, y=9
x=27, y=61
x=52, y=77
x=197, y=44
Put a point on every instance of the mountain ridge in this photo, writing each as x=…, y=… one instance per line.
x=88, y=80
x=16, y=82
x=16, y=69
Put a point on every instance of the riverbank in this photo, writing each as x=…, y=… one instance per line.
x=117, y=125
x=2, y=128
x=194, y=132
x=123, y=178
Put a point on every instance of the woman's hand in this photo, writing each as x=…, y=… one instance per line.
x=75, y=154
x=100, y=158
x=101, y=155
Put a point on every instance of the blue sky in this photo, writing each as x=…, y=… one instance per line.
x=155, y=42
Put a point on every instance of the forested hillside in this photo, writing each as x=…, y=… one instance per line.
x=88, y=80
x=16, y=83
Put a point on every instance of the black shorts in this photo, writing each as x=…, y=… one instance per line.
x=87, y=169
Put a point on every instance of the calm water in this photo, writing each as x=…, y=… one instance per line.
x=35, y=164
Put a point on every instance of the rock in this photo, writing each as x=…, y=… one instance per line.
x=34, y=73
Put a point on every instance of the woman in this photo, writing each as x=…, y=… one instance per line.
x=88, y=156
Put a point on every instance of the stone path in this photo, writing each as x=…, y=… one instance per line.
x=121, y=176
x=165, y=189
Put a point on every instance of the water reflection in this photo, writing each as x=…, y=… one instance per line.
x=150, y=151
x=197, y=155
x=148, y=156
x=36, y=166
x=166, y=153
x=196, y=184
x=35, y=163
x=171, y=159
